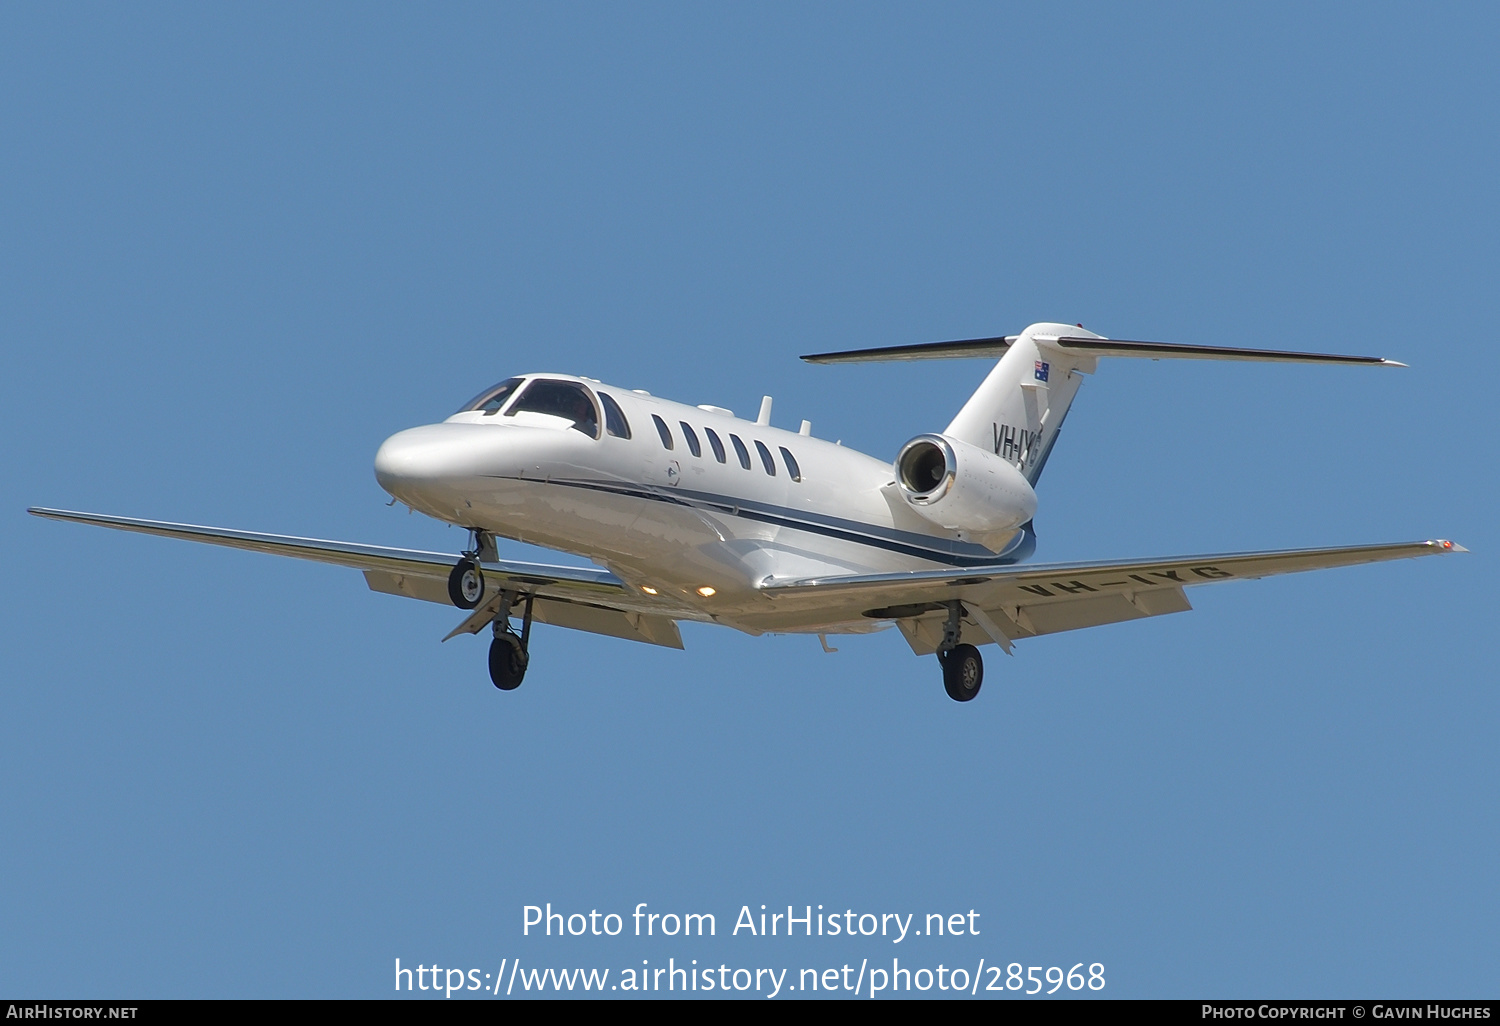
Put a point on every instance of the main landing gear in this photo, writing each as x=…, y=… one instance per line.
x=963, y=667
x=508, y=651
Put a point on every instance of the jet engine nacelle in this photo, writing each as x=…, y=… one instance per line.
x=963, y=487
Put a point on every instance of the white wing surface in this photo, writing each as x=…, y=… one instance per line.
x=582, y=598
x=1012, y=602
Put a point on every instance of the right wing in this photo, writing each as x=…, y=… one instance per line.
x=583, y=598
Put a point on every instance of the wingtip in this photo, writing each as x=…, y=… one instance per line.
x=1448, y=546
x=1393, y=363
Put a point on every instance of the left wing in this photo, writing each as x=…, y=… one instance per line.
x=1013, y=602
x=584, y=598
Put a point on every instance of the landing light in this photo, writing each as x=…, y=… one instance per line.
x=706, y=591
x=648, y=591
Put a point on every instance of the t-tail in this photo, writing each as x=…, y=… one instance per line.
x=1018, y=411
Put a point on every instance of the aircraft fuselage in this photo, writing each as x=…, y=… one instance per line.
x=703, y=528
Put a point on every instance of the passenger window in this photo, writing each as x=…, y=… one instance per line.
x=566, y=399
x=664, y=431
x=692, y=438
x=765, y=458
x=741, y=451
x=715, y=444
x=791, y=464
x=614, y=417
x=492, y=398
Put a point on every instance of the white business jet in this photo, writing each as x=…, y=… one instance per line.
x=694, y=514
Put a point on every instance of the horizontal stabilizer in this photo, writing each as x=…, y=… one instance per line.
x=1179, y=351
x=993, y=348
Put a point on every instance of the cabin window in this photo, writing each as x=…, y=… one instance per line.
x=614, y=417
x=714, y=444
x=692, y=438
x=741, y=451
x=765, y=457
x=491, y=399
x=566, y=399
x=664, y=431
x=791, y=464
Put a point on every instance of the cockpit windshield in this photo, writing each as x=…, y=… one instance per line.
x=566, y=399
x=491, y=399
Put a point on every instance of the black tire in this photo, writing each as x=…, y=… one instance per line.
x=466, y=584
x=507, y=662
x=963, y=672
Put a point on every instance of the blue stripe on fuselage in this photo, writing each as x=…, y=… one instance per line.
x=938, y=550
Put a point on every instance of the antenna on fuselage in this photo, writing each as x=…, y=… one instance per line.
x=764, y=420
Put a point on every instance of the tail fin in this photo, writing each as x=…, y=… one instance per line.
x=1019, y=409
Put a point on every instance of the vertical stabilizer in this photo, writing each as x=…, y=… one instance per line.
x=1017, y=411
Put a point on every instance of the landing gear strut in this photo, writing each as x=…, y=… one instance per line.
x=508, y=650
x=963, y=667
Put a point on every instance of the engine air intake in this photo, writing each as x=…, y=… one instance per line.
x=962, y=487
x=925, y=468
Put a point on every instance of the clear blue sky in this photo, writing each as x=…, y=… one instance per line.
x=244, y=245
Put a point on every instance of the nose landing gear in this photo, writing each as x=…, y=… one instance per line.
x=963, y=667
x=466, y=582
x=509, y=655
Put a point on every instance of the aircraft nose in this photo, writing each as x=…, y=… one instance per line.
x=439, y=468
x=436, y=466
x=399, y=460
x=420, y=461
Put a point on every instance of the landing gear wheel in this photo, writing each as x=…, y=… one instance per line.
x=507, y=661
x=466, y=584
x=963, y=672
